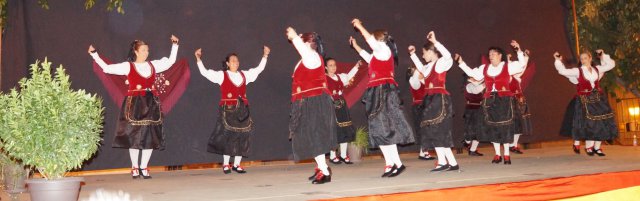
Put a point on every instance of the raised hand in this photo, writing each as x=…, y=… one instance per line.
x=527, y=52
x=431, y=36
x=458, y=58
x=91, y=49
x=266, y=51
x=356, y=22
x=174, y=39
x=198, y=54
x=515, y=45
x=291, y=33
x=412, y=49
x=557, y=56
x=599, y=52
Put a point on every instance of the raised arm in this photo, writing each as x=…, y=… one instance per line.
x=114, y=69
x=476, y=73
x=310, y=58
x=213, y=76
x=606, y=63
x=358, y=25
x=346, y=77
x=519, y=66
x=252, y=74
x=165, y=63
x=562, y=70
x=364, y=54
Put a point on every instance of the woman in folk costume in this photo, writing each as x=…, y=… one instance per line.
x=140, y=123
x=234, y=128
x=590, y=117
x=473, y=114
x=388, y=125
x=417, y=95
x=522, y=120
x=498, y=102
x=337, y=82
x=436, y=115
x=312, y=124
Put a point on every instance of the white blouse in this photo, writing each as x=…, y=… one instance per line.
x=310, y=58
x=606, y=65
x=218, y=76
x=143, y=69
x=515, y=67
x=345, y=77
x=443, y=64
x=380, y=50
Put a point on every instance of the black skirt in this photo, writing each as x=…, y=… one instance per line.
x=567, y=122
x=312, y=127
x=346, y=132
x=140, y=123
x=498, y=119
x=473, y=123
x=522, y=118
x=416, y=110
x=436, y=121
x=592, y=118
x=387, y=123
x=232, y=133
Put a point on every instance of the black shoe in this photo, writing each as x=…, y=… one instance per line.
x=515, y=150
x=453, y=168
x=335, y=160
x=226, y=169
x=589, y=151
x=426, y=157
x=441, y=168
x=507, y=160
x=599, y=152
x=345, y=160
x=496, y=159
x=576, y=149
x=475, y=153
x=135, y=172
x=398, y=171
x=315, y=172
x=466, y=145
x=142, y=171
x=386, y=174
x=321, y=179
x=239, y=169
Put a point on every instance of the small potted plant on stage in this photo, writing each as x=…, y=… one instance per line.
x=51, y=128
x=360, y=146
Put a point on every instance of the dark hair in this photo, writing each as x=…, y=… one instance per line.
x=501, y=51
x=315, y=40
x=431, y=46
x=226, y=59
x=135, y=45
x=412, y=68
x=326, y=60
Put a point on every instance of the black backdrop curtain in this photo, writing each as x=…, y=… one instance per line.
x=469, y=27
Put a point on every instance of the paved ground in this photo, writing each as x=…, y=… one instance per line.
x=288, y=182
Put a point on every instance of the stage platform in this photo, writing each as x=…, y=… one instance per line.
x=289, y=181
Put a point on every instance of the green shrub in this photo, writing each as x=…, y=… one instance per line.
x=49, y=126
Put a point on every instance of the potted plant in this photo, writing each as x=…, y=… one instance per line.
x=13, y=173
x=360, y=146
x=51, y=128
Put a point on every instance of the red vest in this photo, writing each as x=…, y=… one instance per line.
x=138, y=84
x=229, y=92
x=417, y=94
x=473, y=100
x=336, y=87
x=515, y=88
x=584, y=86
x=308, y=82
x=501, y=81
x=434, y=83
x=381, y=72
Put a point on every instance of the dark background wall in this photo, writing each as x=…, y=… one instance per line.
x=64, y=32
